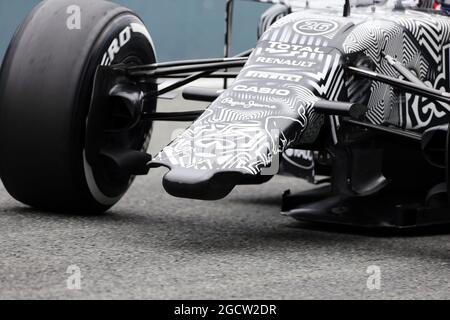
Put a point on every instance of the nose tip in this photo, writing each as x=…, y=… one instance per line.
x=200, y=184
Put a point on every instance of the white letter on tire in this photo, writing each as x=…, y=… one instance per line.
x=74, y=20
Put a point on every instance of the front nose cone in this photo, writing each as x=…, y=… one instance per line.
x=200, y=184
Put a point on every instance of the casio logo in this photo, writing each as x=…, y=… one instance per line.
x=253, y=89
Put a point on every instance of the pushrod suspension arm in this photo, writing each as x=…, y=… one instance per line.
x=217, y=75
x=185, y=116
x=161, y=72
x=196, y=76
x=406, y=86
x=170, y=64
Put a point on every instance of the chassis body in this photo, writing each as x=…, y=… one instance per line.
x=353, y=99
x=360, y=99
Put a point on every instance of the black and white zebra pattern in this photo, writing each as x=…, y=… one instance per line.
x=232, y=137
x=418, y=41
x=260, y=117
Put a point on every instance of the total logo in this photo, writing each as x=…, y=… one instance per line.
x=315, y=27
x=291, y=49
x=253, y=89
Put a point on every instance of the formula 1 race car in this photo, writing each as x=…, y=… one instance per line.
x=351, y=95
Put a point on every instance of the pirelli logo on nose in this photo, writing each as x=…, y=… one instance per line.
x=273, y=76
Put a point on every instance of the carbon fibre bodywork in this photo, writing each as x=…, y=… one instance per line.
x=300, y=60
x=356, y=99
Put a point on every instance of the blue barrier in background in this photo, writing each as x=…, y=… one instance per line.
x=180, y=28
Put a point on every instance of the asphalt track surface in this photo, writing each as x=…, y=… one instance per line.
x=153, y=246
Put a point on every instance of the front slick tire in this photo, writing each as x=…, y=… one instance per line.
x=45, y=89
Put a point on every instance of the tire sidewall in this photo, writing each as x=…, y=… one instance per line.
x=46, y=85
x=125, y=36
